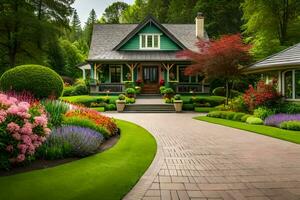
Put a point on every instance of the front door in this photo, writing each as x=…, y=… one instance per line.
x=150, y=79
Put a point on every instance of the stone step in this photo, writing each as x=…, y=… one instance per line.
x=162, y=108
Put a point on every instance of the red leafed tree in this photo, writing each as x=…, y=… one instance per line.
x=222, y=58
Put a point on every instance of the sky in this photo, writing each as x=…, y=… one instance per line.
x=84, y=7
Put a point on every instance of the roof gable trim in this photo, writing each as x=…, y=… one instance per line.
x=149, y=19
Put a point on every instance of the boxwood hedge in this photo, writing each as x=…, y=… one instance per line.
x=41, y=81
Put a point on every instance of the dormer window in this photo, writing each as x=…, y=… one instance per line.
x=149, y=41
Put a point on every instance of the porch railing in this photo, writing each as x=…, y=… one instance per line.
x=107, y=88
x=195, y=88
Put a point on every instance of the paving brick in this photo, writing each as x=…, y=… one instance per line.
x=217, y=162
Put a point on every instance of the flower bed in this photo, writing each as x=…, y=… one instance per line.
x=25, y=133
x=24, y=128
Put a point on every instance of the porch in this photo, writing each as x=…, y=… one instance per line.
x=116, y=77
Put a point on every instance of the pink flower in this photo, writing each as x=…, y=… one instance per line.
x=16, y=136
x=10, y=148
x=26, y=139
x=22, y=148
x=20, y=158
x=33, y=137
x=41, y=120
x=23, y=106
x=13, y=127
x=2, y=119
x=26, y=129
x=13, y=110
x=47, y=131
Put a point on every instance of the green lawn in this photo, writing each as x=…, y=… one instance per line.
x=205, y=109
x=108, y=175
x=291, y=136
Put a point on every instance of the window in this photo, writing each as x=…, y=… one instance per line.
x=115, y=74
x=150, y=41
x=173, y=74
x=288, y=84
x=182, y=77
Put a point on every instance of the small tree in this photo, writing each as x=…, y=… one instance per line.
x=220, y=58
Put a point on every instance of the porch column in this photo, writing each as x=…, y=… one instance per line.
x=92, y=71
x=83, y=74
x=131, y=68
x=168, y=67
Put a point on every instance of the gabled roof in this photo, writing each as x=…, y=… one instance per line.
x=149, y=20
x=108, y=36
x=286, y=58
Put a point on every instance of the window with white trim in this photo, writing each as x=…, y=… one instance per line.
x=150, y=41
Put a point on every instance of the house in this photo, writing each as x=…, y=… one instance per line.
x=145, y=54
x=283, y=66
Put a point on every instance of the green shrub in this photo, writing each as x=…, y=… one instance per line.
x=289, y=108
x=238, y=116
x=130, y=100
x=263, y=112
x=211, y=100
x=56, y=110
x=99, y=109
x=41, y=81
x=68, y=91
x=129, y=84
x=161, y=89
x=245, y=117
x=237, y=104
x=130, y=91
x=177, y=97
x=220, y=91
x=80, y=88
x=230, y=115
x=83, y=122
x=110, y=107
x=291, y=125
x=188, y=107
x=168, y=100
x=121, y=97
x=168, y=91
x=254, y=121
x=214, y=114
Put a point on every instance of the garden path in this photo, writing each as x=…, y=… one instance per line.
x=198, y=160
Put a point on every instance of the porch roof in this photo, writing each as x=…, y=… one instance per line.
x=107, y=36
x=287, y=58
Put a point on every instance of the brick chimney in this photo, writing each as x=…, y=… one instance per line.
x=200, y=25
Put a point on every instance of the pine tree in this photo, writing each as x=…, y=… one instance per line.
x=88, y=29
x=75, y=27
x=112, y=13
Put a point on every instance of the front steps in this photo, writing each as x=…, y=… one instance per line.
x=149, y=108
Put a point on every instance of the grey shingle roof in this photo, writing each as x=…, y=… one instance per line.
x=287, y=57
x=107, y=36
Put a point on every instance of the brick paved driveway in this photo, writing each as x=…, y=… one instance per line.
x=198, y=160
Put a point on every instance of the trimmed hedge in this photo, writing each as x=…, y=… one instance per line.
x=209, y=101
x=228, y=115
x=291, y=125
x=254, y=121
x=41, y=81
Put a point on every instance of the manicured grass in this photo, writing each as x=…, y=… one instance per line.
x=291, y=136
x=99, y=109
x=204, y=109
x=108, y=175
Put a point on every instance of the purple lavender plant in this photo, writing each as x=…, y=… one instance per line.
x=75, y=141
x=276, y=120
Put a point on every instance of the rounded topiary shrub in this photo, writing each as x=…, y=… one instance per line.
x=41, y=81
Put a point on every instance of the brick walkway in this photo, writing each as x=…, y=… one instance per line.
x=197, y=160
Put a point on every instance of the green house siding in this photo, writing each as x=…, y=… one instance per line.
x=166, y=44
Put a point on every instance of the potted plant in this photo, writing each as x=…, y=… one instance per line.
x=130, y=92
x=168, y=93
x=178, y=103
x=121, y=102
